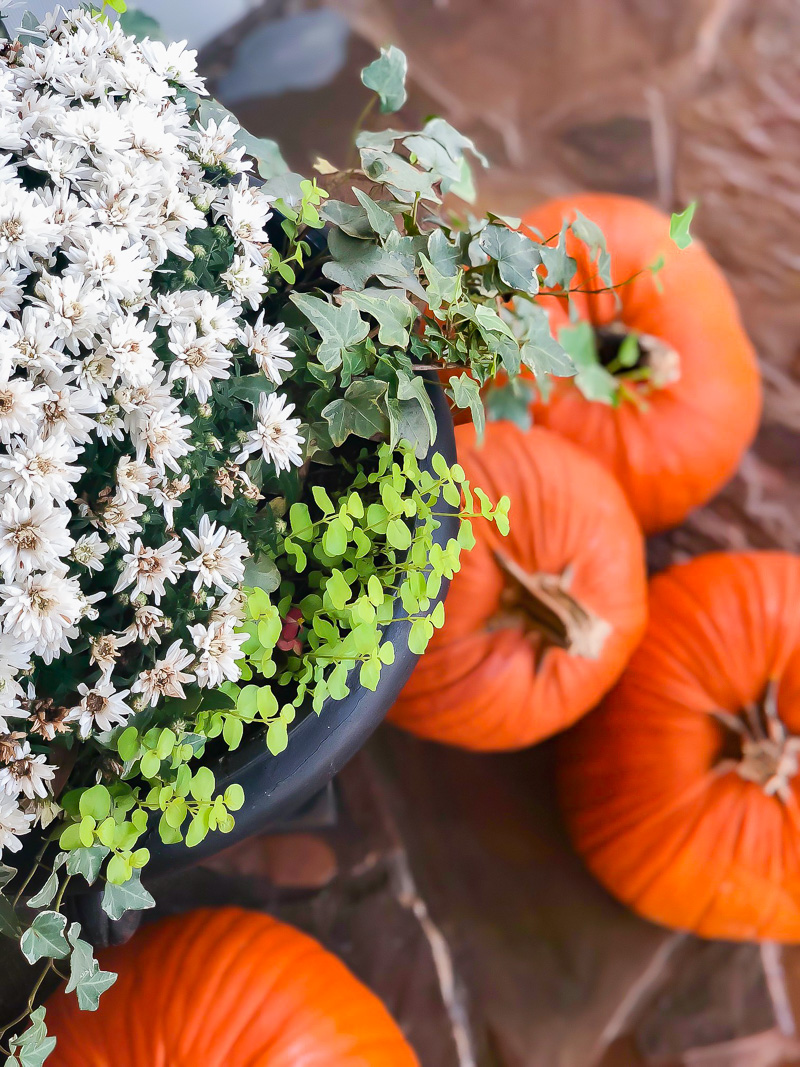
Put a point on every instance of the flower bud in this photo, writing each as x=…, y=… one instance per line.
x=189, y=277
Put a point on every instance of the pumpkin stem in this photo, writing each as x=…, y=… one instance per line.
x=769, y=754
x=659, y=360
x=544, y=604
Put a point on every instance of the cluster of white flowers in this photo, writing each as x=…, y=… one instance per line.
x=104, y=366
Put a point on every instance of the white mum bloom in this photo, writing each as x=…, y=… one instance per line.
x=67, y=410
x=42, y=611
x=216, y=318
x=26, y=230
x=102, y=707
x=167, y=678
x=246, y=212
x=46, y=468
x=198, y=360
x=118, y=517
x=148, y=569
x=11, y=291
x=276, y=434
x=148, y=620
x=26, y=774
x=220, y=556
x=31, y=342
x=32, y=537
x=266, y=345
x=164, y=437
x=134, y=479
x=246, y=281
x=130, y=344
x=101, y=259
x=75, y=306
x=89, y=550
x=20, y=408
x=218, y=649
x=174, y=63
x=167, y=496
x=14, y=822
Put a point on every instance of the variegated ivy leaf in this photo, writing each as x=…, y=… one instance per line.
x=444, y=255
x=387, y=77
x=85, y=977
x=540, y=351
x=130, y=896
x=393, y=313
x=592, y=378
x=45, y=937
x=560, y=266
x=592, y=236
x=467, y=394
x=510, y=402
x=679, y=225
x=362, y=411
x=380, y=221
x=87, y=861
x=406, y=182
x=32, y=1047
x=340, y=327
x=517, y=257
x=6, y=874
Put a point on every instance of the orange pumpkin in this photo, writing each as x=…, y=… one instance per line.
x=540, y=623
x=226, y=987
x=681, y=791
x=675, y=448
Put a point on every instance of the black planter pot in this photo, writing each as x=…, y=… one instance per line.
x=277, y=787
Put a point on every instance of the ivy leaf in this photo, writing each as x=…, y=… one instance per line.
x=85, y=977
x=412, y=387
x=393, y=313
x=510, y=402
x=269, y=160
x=6, y=874
x=406, y=182
x=591, y=234
x=131, y=896
x=137, y=24
x=87, y=861
x=46, y=893
x=340, y=327
x=250, y=387
x=354, y=220
x=679, y=226
x=362, y=411
x=560, y=266
x=442, y=288
x=10, y=926
x=387, y=77
x=467, y=394
x=32, y=1047
x=540, y=352
x=45, y=937
x=455, y=143
x=444, y=255
x=262, y=573
x=380, y=221
x=516, y=255
x=592, y=378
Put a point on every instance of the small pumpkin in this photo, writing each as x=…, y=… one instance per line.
x=226, y=987
x=678, y=437
x=681, y=792
x=540, y=623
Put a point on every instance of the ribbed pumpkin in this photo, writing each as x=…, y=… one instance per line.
x=681, y=792
x=676, y=449
x=540, y=623
x=226, y=988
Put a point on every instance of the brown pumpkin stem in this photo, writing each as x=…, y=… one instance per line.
x=543, y=603
x=769, y=754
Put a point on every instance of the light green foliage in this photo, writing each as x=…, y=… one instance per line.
x=387, y=76
x=679, y=225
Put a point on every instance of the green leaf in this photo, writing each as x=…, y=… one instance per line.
x=516, y=255
x=442, y=288
x=629, y=353
x=277, y=736
x=339, y=327
x=95, y=802
x=387, y=77
x=510, y=402
x=560, y=266
x=380, y=221
x=338, y=590
x=136, y=24
x=419, y=636
x=412, y=387
x=202, y=787
x=592, y=378
x=398, y=535
x=132, y=896
x=46, y=893
x=85, y=977
x=261, y=572
x=10, y=926
x=232, y=731
x=250, y=387
x=540, y=351
x=32, y=1047
x=679, y=225
x=466, y=394
x=362, y=411
x=45, y=937
x=234, y=797
x=591, y=234
x=370, y=674
x=128, y=743
x=6, y=874
x=393, y=313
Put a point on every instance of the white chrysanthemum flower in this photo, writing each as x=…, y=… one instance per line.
x=148, y=620
x=218, y=649
x=26, y=230
x=89, y=551
x=61, y=162
x=31, y=342
x=148, y=569
x=134, y=479
x=174, y=63
x=102, y=707
x=167, y=496
x=11, y=291
x=26, y=774
x=14, y=822
x=220, y=556
x=246, y=281
x=130, y=345
x=266, y=345
x=276, y=434
x=119, y=518
x=20, y=408
x=42, y=610
x=165, y=438
x=67, y=410
x=217, y=318
x=246, y=212
x=46, y=468
x=199, y=360
x=167, y=678
x=75, y=306
x=34, y=537
x=215, y=146
x=101, y=259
